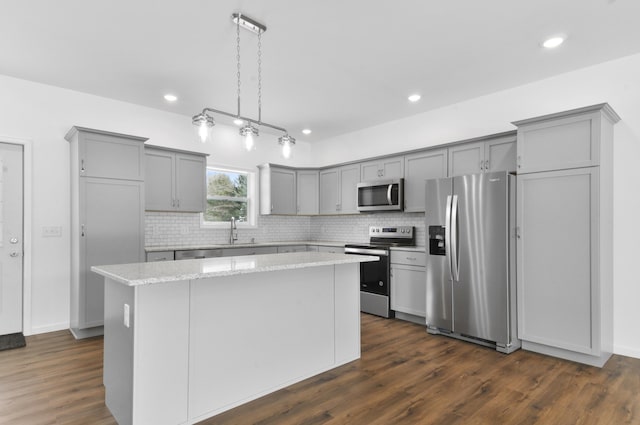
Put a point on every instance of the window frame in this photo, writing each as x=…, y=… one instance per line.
x=252, y=198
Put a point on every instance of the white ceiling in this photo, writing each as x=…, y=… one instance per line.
x=332, y=66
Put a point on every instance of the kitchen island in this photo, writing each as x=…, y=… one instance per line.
x=186, y=340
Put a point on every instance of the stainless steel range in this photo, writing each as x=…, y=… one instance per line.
x=375, y=277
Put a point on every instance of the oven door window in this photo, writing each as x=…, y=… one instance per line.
x=374, y=276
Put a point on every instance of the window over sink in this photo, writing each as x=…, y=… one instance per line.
x=230, y=193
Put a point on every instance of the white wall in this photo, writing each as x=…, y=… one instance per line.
x=615, y=82
x=43, y=114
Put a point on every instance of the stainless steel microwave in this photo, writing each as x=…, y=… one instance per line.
x=383, y=195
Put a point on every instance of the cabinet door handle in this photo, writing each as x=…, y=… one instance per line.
x=481, y=165
x=518, y=232
x=486, y=165
x=82, y=166
x=82, y=230
x=178, y=203
x=519, y=161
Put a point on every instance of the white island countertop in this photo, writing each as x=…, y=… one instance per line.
x=172, y=271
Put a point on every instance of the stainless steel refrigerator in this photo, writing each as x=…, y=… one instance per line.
x=470, y=228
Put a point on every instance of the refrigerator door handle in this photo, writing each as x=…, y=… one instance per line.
x=455, y=263
x=447, y=236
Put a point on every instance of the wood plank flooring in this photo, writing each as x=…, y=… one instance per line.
x=405, y=376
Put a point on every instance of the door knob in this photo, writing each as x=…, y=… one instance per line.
x=13, y=254
x=13, y=240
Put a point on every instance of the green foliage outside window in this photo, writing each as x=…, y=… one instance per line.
x=226, y=196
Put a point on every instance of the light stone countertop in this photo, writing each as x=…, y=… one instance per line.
x=171, y=271
x=240, y=245
x=260, y=244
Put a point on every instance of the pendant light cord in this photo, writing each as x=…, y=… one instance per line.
x=238, y=60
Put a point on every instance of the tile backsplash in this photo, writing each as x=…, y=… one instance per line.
x=355, y=228
x=183, y=229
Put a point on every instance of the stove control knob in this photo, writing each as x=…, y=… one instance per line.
x=381, y=283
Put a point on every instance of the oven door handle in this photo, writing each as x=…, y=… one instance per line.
x=361, y=251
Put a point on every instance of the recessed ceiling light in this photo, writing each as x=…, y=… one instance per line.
x=170, y=97
x=238, y=121
x=553, y=42
x=414, y=98
x=306, y=131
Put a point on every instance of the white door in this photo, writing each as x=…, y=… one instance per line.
x=10, y=238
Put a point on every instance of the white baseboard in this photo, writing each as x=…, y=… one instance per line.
x=626, y=351
x=35, y=330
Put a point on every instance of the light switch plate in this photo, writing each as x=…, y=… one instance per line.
x=51, y=231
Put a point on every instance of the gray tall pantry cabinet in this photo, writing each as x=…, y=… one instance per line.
x=107, y=216
x=565, y=234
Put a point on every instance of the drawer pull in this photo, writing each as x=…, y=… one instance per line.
x=411, y=258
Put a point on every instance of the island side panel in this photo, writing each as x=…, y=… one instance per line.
x=347, y=305
x=118, y=351
x=252, y=334
x=161, y=387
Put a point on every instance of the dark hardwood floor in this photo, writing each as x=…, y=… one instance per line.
x=405, y=376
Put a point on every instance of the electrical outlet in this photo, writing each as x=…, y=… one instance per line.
x=184, y=229
x=51, y=231
x=126, y=315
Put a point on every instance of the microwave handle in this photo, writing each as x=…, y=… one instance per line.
x=389, y=194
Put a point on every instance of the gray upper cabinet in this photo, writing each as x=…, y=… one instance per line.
x=277, y=190
x=175, y=180
x=495, y=154
x=419, y=167
x=338, y=189
x=349, y=179
x=564, y=235
x=500, y=154
x=107, y=216
x=572, y=141
x=308, y=186
x=108, y=155
x=467, y=158
x=329, y=195
x=382, y=169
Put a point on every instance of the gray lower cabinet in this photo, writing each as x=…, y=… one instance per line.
x=557, y=267
x=331, y=249
x=419, y=167
x=408, y=285
x=107, y=217
x=564, y=240
x=190, y=254
x=160, y=256
x=292, y=248
x=257, y=250
x=338, y=189
x=175, y=180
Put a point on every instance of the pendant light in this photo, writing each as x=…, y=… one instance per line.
x=204, y=121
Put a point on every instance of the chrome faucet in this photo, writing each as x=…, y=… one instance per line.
x=233, y=232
